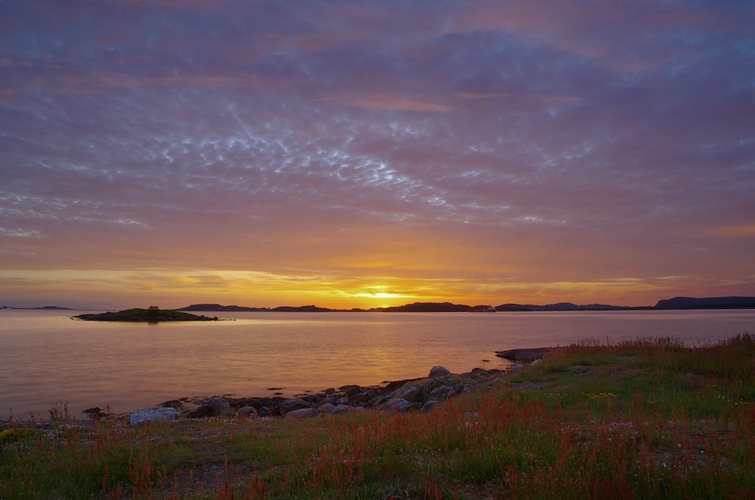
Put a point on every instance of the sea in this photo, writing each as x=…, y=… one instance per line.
x=49, y=361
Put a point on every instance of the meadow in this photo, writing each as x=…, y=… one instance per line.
x=648, y=418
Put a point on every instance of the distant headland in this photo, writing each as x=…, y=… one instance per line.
x=673, y=304
x=676, y=303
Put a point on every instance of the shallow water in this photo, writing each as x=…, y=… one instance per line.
x=47, y=358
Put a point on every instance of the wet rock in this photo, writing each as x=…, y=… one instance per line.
x=149, y=415
x=438, y=372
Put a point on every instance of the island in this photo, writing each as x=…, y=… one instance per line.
x=152, y=314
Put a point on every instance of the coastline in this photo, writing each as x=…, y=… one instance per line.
x=649, y=418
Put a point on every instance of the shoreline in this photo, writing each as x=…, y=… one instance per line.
x=649, y=418
x=437, y=387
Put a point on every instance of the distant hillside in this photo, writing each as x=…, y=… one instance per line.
x=561, y=306
x=425, y=307
x=667, y=304
x=219, y=308
x=707, y=303
x=310, y=308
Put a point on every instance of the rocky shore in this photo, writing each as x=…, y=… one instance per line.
x=420, y=394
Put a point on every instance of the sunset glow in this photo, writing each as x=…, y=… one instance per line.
x=367, y=154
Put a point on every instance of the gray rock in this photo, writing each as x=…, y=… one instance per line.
x=362, y=397
x=350, y=390
x=221, y=406
x=148, y=415
x=289, y=405
x=202, y=411
x=441, y=393
x=302, y=413
x=410, y=394
x=396, y=404
x=430, y=405
x=264, y=411
x=524, y=354
x=344, y=408
x=326, y=408
x=517, y=367
x=248, y=412
x=330, y=399
x=438, y=372
x=536, y=362
x=343, y=401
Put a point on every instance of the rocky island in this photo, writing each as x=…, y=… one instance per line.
x=153, y=314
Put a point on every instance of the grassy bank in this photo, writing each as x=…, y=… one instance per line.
x=642, y=419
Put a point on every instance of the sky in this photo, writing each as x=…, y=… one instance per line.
x=374, y=153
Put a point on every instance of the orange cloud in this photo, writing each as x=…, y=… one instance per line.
x=389, y=103
x=744, y=230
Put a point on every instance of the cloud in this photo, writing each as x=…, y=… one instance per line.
x=448, y=147
x=389, y=103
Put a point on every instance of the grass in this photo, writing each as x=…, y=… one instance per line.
x=642, y=419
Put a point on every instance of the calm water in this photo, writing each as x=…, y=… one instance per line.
x=46, y=357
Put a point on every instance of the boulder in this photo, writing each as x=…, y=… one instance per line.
x=524, y=354
x=441, y=393
x=350, y=390
x=438, y=372
x=302, y=413
x=326, y=408
x=247, y=412
x=149, y=415
x=220, y=406
x=264, y=411
x=396, y=404
x=203, y=411
x=213, y=407
x=345, y=408
x=294, y=404
x=430, y=405
x=410, y=394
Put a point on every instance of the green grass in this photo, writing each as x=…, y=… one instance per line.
x=643, y=419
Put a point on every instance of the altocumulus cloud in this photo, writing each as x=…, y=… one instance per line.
x=527, y=150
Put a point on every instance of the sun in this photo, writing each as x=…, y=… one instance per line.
x=382, y=293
